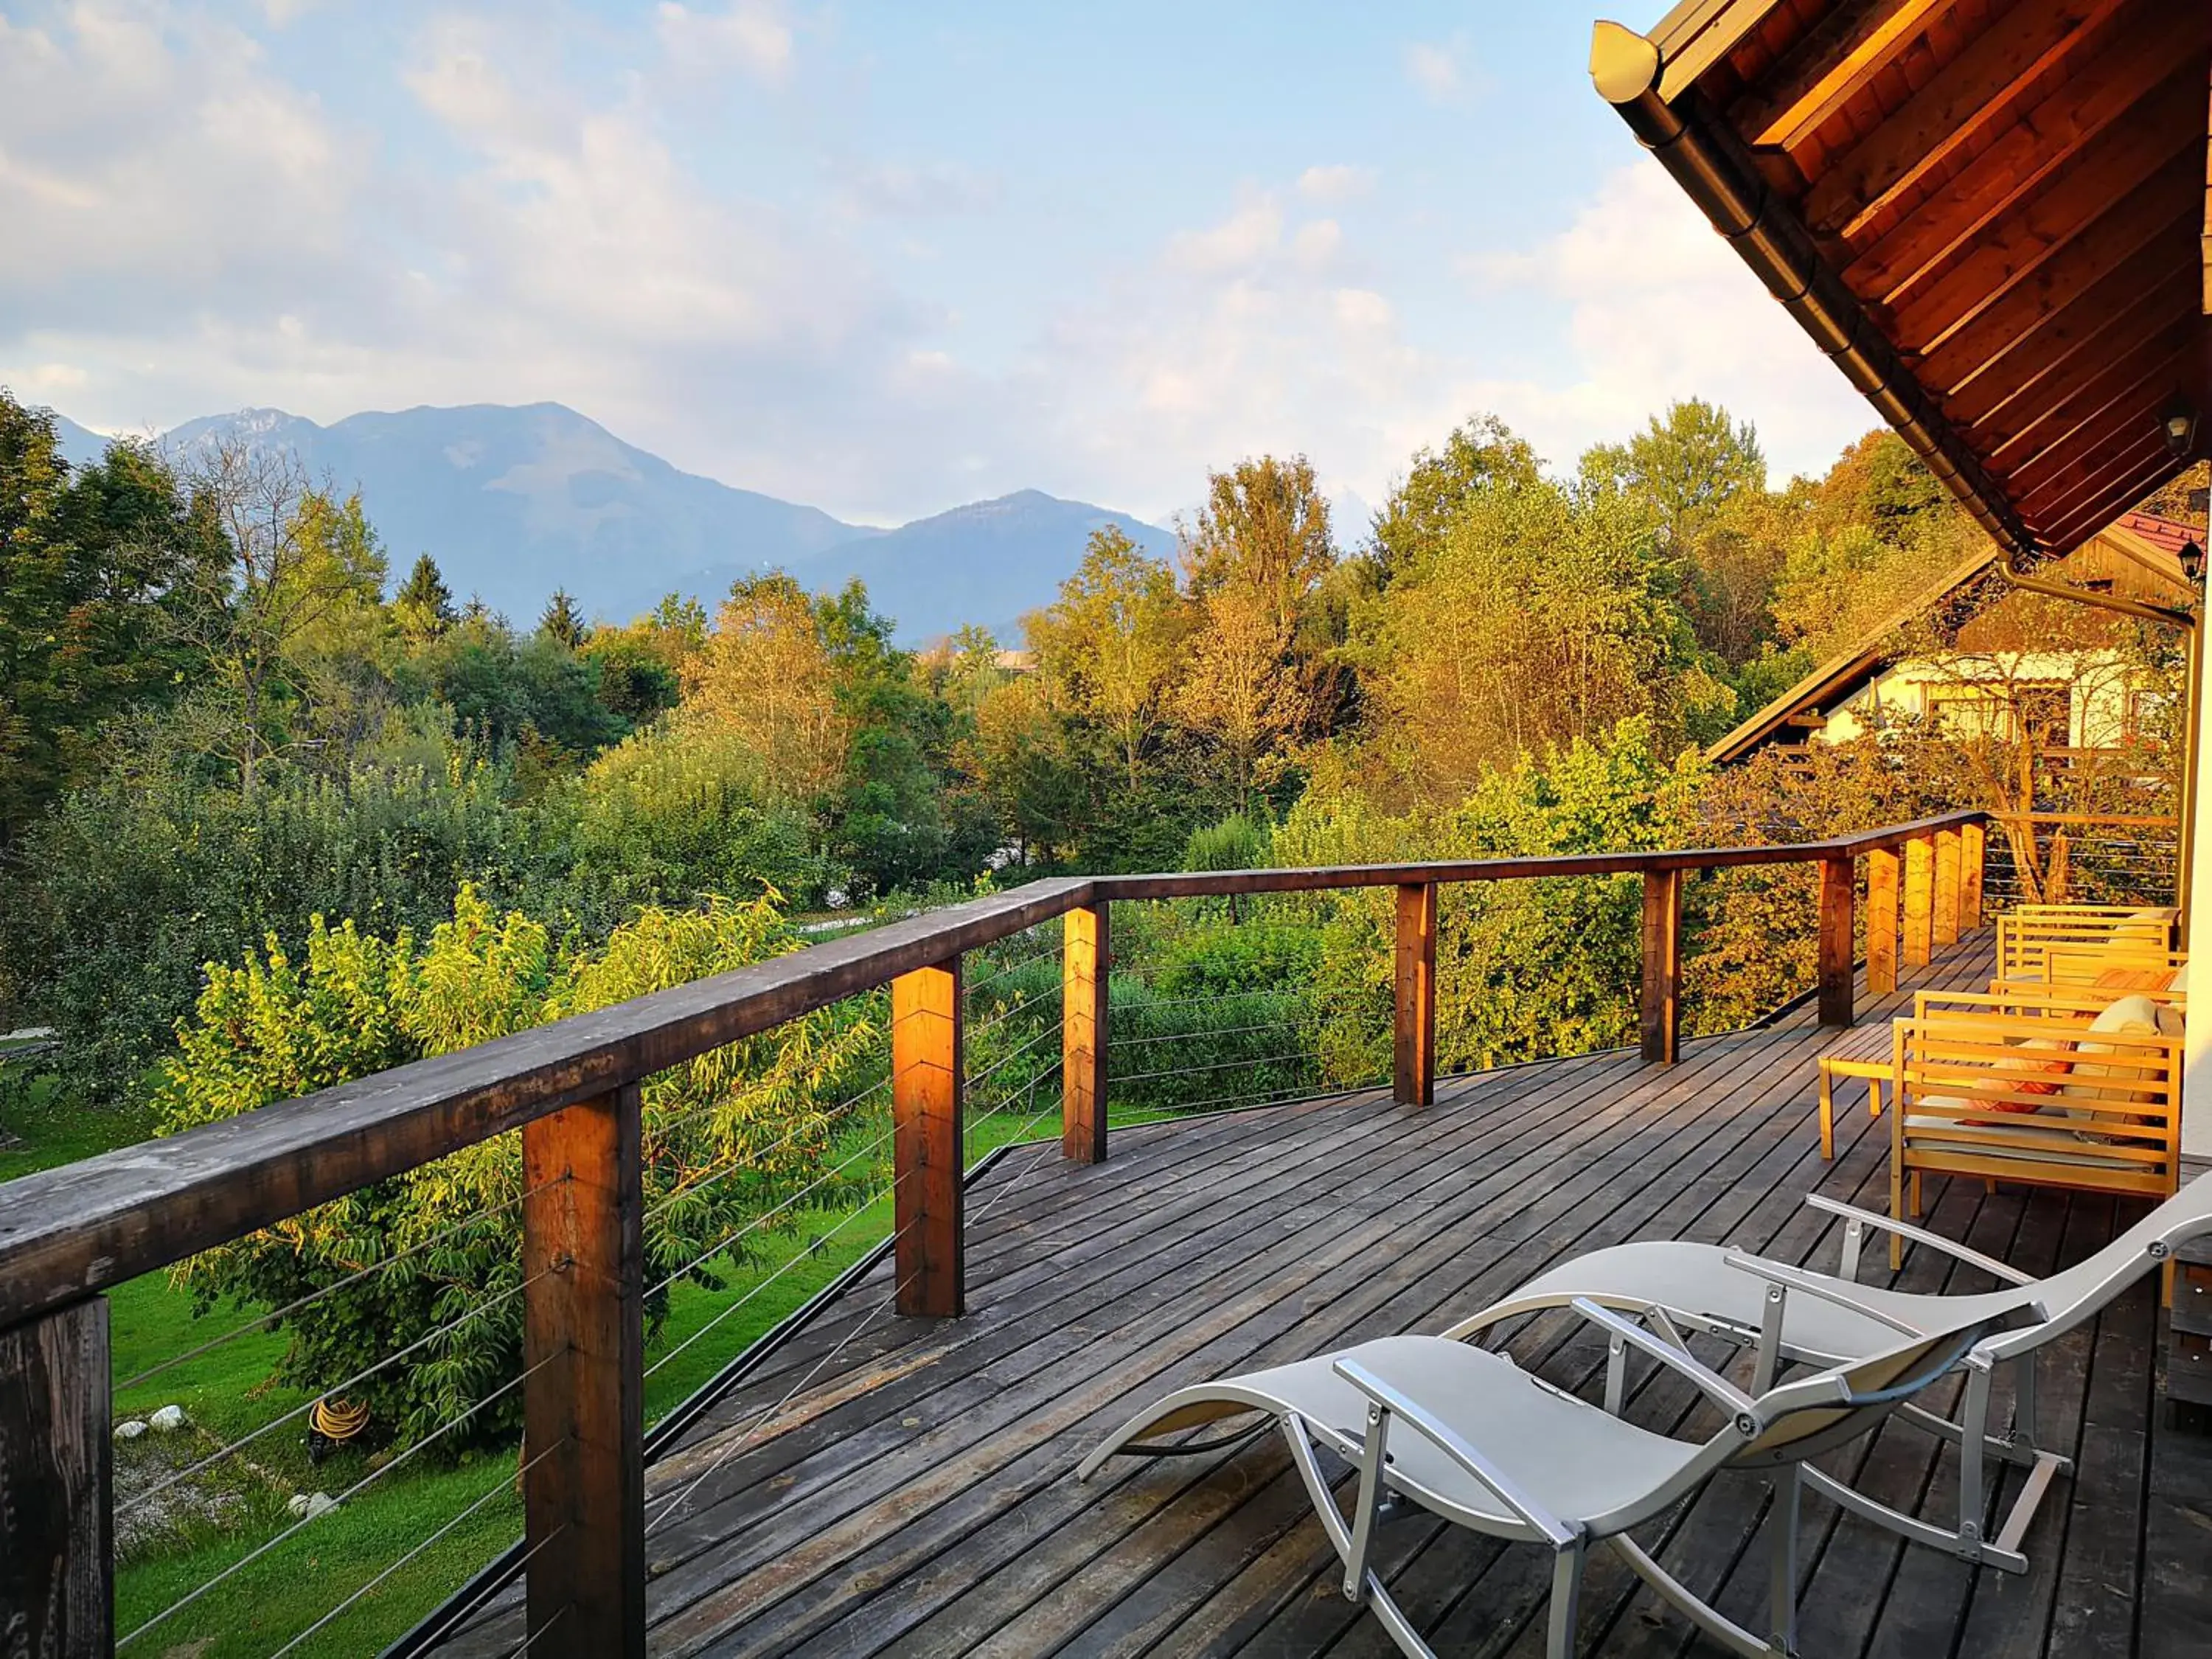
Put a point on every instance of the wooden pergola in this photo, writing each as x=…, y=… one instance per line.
x=1991, y=214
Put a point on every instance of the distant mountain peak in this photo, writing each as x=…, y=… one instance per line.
x=514, y=500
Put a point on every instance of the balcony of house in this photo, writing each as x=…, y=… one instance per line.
x=892, y=1468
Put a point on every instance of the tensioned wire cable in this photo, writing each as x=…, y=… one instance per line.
x=366, y=1481
x=773, y=1413
x=799, y=1255
x=331, y=1289
x=762, y=1219
x=393, y=1358
x=741, y=1161
x=503, y=1485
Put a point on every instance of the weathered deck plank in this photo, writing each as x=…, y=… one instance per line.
x=896, y=1486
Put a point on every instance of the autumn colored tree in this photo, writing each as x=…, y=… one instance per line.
x=765, y=675
x=1480, y=454
x=1113, y=640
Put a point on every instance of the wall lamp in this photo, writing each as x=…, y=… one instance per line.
x=2178, y=422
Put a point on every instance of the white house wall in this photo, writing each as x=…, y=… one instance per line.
x=2097, y=718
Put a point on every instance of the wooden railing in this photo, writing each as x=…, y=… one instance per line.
x=572, y=1089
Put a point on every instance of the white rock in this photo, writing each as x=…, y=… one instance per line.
x=129, y=1431
x=297, y=1503
x=318, y=1503
x=168, y=1419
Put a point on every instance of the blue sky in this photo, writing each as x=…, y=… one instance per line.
x=878, y=257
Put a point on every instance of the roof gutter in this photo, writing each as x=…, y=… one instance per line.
x=1711, y=165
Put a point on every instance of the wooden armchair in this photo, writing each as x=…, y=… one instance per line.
x=2033, y=1097
x=2027, y=935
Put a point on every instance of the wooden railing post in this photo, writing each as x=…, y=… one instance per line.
x=1084, y=964
x=1973, y=852
x=583, y=1342
x=1881, y=922
x=1413, y=1036
x=1948, y=893
x=1663, y=966
x=927, y=1141
x=1836, y=946
x=1919, y=902
x=56, y=1584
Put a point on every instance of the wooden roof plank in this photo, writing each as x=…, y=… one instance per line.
x=1839, y=55
x=2110, y=502
x=1697, y=33
x=2047, y=420
x=2114, y=241
x=2113, y=316
x=2126, y=154
x=1968, y=93
x=2117, y=450
x=2077, y=421
x=2092, y=95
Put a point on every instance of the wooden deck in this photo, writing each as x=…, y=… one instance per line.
x=892, y=1486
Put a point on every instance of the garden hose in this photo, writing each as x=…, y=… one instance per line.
x=337, y=1421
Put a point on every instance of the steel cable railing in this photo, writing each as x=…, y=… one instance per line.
x=504, y=1487
x=145, y=1498
x=263, y=1322
x=811, y=1249
x=381, y=1472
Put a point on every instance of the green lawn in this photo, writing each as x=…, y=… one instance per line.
x=227, y=1393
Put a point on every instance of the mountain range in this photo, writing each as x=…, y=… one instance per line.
x=515, y=501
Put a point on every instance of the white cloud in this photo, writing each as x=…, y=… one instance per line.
x=1436, y=70
x=748, y=35
x=1254, y=230
x=1338, y=183
x=1659, y=308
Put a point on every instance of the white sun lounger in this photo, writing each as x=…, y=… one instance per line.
x=1752, y=1302
x=1469, y=1436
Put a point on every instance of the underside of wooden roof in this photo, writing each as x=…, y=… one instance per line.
x=1992, y=213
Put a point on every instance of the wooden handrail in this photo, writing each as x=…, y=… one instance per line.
x=572, y=1088
x=68, y=1232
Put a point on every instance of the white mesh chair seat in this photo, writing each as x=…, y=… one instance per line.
x=1576, y=1462
x=1696, y=1286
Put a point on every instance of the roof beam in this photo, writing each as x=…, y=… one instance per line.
x=1851, y=45
x=1958, y=101
x=2115, y=240
x=2121, y=447
x=2045, y=224
x=2117, y=67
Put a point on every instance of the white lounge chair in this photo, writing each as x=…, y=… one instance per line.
x=1469, y=1436
x=1752, y=1302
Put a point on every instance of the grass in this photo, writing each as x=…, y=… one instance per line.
x=277, y=1597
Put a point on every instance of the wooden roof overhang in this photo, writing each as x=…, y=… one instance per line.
x=1991, y=214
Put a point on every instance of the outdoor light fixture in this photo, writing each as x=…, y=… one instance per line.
x=2180, y=423
x=2192, y=561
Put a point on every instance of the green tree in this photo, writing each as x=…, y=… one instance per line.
x=562, y=622
x=299, y=559
x=424, y=605
x=1113, y=642
x=100, y=570
x=1687, y=465
x=1483, y=452
x=1264, y=527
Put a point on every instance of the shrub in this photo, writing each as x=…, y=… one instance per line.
x=723, y=1135
x=120, y=898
